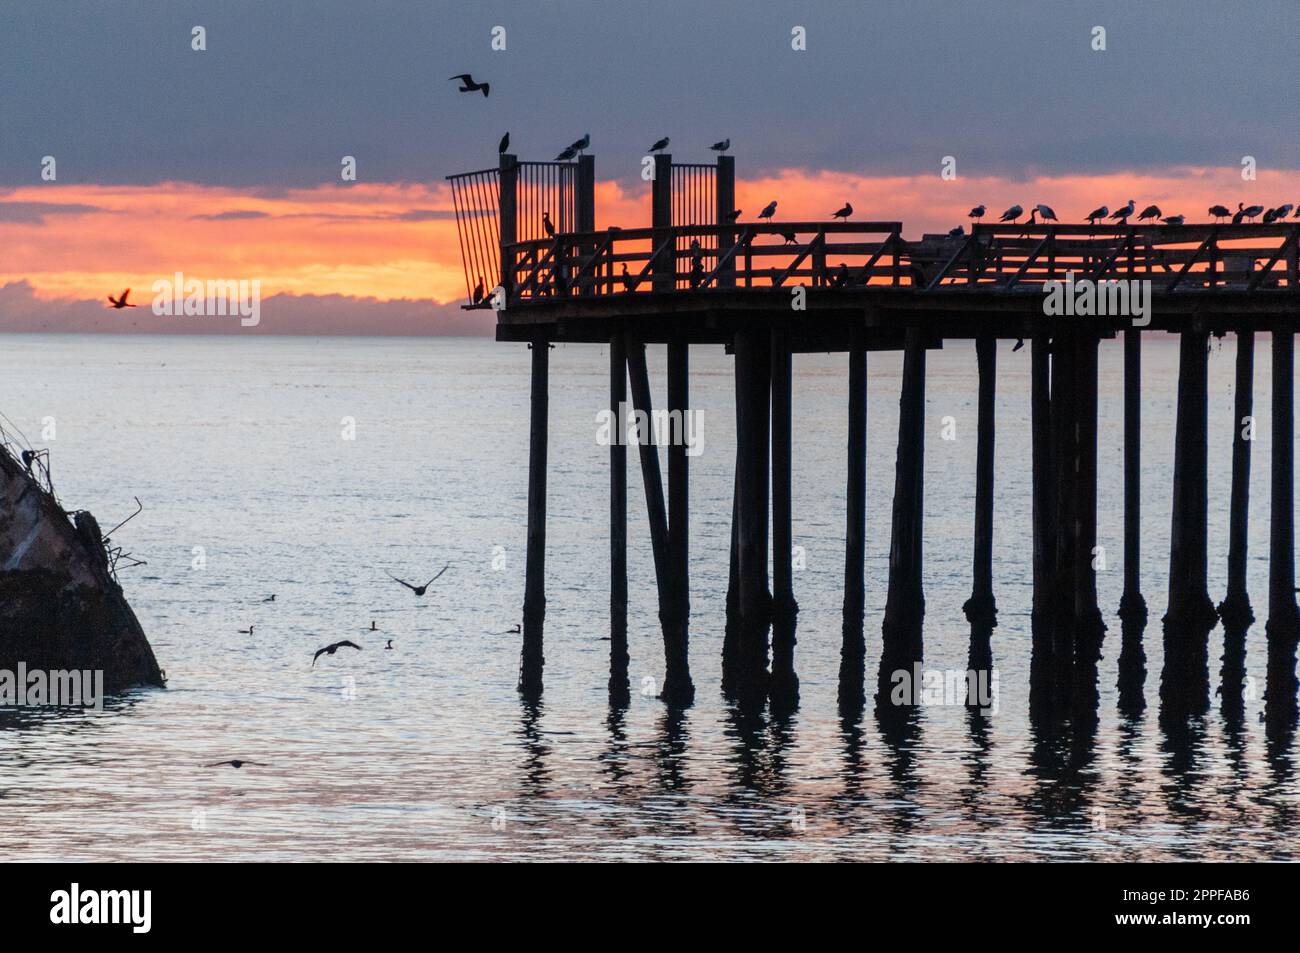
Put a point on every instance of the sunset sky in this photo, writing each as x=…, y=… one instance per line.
x=225, y=163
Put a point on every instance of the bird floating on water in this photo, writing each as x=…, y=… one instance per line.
x=120, y=302
x=467, y=84
x=389, y=645
x=977, y=212
x=270, y=598
x=768, y=211
x=844, y=213
x=248, y=631
x=419, y=590
x=660, y=145
x=1011, y=214
x=332, y=648
x=234, y=763
x=722, y=146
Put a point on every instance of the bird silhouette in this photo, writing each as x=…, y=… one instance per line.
x=120, y=302
x=789, y=235
x=504, y=144
x=722, y=146
x=389, y=645
x=547, y=226
x=270, y=598
x=1252, y=211
x=977, y=212
x=332, y=648
x=733, y=215
x=1150, y=213
x=515, y=631
x=467, y=84
x=1218, y=211
x=1011, y=214
x=234, y=763
x=1238, y=215
x=1270, y=216
x=1046, y=211
x=581, y=144
x=248, y=631
x=1020, y=342
x=567, y=154
x=1097, y=214
x=768, y=211
x=419, y=590
x=957, y=232
x=629, y=283
x=478, y=290
x=1122, y=214
x=844, y=213
x=1173, y=219
x=373, y=627
x=1284, y=210
x=660, y=145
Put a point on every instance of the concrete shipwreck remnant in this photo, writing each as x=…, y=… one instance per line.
x=60, y=605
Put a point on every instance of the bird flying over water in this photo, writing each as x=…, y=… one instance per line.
x=1096, y=214
x=332, y=648
x=120, y=302
x=504, y=144
x=977, y=212
x=844, y=213
x=1011, y=214
x=660, y=145
x=467, y=84
x=722, y=146
x=768, y=211
x=419, y=590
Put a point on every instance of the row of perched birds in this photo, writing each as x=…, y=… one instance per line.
x=579, y=146
x=1152, y=213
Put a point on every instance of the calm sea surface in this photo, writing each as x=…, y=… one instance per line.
x=424, y=751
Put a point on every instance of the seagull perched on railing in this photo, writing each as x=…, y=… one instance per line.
x=768, y=211
x=1011, y=214
x=660, y=146
x=1150, y=213
x=1218, y=211
x=1252, y=211
x=1284, y=210
x=503, y=145
x=957, y=232
x=546, y=224
x=1046, y=211
x=1096, y=214
x=1173, y=220
x=1270, y=216
x=844, y=213
x=722, y=146
x=976, y=213
x=1121, y=215
x=467, y=84
x=789, y=235
x=567, y=154
x=733, y=215
x=581, y=144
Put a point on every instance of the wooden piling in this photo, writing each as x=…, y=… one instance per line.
x=1283, y=626
x=981, y=608
x=1235, y=609
x=785, y=610
x=1065, y=468
x=619, y=690
x=853, y=649
x=532, y=658
x=752, y=353
x=1132, y=604
x=905, y=602
x=678, y=688
x=731, y=630
x=1184, y=681
x=1089, y=629
x=1044, y=530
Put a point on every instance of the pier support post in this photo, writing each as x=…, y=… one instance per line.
x=1089, y=629
x=619, y=691
x=532, y=659
x=853, y=650
x=1235, y=609
x=678, y=688
x=1132, y=605
x=1184, y=682
x=902, y=650
x=1065, y=468
x=753, y=393
x=731, y=632
x=981, y=608
x=1044, y=529
x=785, y=610
x=1283, y=626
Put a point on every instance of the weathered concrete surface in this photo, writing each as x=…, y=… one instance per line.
x=60, y=607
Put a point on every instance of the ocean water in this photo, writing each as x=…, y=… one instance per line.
x=424, y=750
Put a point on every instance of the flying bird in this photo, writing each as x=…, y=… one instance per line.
x=1011, y=214
x=660, y=145
x=503, y=145
x=120, y=302
x=234, y=763
x=467, y=84
x=1150, y=213
x=332, y=648
x=768, y=211
x=722, y=146
x=1096, y=214
x=977, y=212
x=1122, y=214
x=844, y=213
x=419, y=590
x=1218, y=211
x=546, y=224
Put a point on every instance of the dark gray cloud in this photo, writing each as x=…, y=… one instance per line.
x=232, y=215
x=286, y=89
x=35, y=213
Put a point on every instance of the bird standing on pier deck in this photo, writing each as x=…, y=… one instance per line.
x=660, y=145
x=567, y=154
x=546, y=224
x=722, y=146
x=768, y=211
x=1150, y=213
x=467, y=84
x=503, y=145
x=1218, y=211
x=976, y=213
x=1011, y=214
x=1121, y=215
x=1097, y=214
x=844, y=213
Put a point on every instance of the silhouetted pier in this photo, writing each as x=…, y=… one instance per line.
x=767, y=290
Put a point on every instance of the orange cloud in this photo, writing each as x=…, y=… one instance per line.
x=392, y=241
